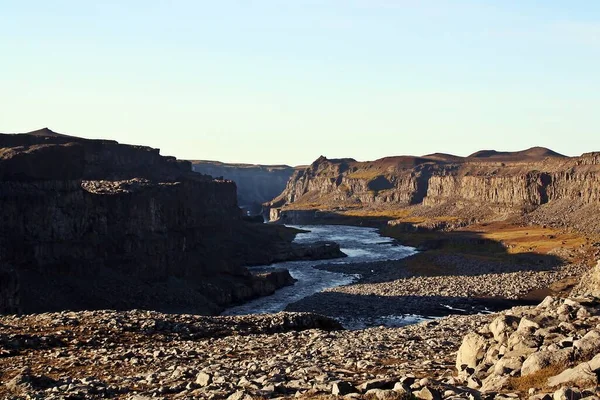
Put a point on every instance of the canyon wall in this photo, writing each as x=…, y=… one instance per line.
x=475, y=187
x=256, y=184
x=91, y=224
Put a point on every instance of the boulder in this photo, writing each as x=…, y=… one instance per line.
x=503, y=326
x=381, y=394
x=471, y=351
x=527, y=326
x=494, y=383
x=583, y=374
x=543, y=359
x=402, y=389
x=239, y=395
x=588, y=345
x=507, y=364
x=375, y=384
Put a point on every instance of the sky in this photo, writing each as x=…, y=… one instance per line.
x=285, y=81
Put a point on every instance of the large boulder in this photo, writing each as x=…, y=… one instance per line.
x=584, y=374
x=471, y=351
x=544, y=359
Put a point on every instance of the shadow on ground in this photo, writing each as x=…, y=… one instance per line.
x=334, y=304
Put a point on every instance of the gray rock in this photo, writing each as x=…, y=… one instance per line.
x=503, y=326
x=507, y=364
x=401, y=388
x=381, y=394
x=567, y=394
x=473, y=382
x=240, y=395
x=471, y=351
x=582, y=374
x=588, y=345
x=527, y=326
x=543, y=359
x=375, y=384
x=494, y=383
x=541, y=396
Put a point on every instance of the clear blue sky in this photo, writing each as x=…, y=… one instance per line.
x=278, y=81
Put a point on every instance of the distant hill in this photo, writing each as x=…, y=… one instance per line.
x=45, y=132
x=444, y=157
x=534, y=153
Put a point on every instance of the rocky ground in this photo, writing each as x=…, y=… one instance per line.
x=107, y=354
x=546, y=351
x=522, y=353
x=467, y=286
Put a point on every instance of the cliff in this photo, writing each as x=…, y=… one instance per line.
x=485, y=185
x=90, y=224
x=256, y=184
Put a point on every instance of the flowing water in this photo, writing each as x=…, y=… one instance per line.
x=360, y=244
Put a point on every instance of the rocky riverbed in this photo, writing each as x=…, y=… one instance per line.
x=466, y=286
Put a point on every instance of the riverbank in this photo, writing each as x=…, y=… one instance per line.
x=481, y=268
x=359, y=243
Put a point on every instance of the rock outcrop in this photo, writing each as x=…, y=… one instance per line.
x=548, y=347
x=482, y=185
x=256, y=184
x=89, y=224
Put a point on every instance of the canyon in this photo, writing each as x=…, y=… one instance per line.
x=256, y=184
x=508, y=240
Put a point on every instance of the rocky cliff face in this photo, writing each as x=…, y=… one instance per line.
x=256, y=183
x=499, y=182
x=95, y=224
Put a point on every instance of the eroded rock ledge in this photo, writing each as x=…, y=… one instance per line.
x=448, y=191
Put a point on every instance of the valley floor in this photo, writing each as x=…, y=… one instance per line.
x=143, y=355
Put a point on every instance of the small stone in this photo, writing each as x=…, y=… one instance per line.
x=203, y=379
x=427, y=394
x=239, y=395
x=342, y=388
x=374, y=384
x=401, y=388
x=567, y=394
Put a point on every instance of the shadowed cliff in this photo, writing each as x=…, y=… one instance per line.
x=91, y=224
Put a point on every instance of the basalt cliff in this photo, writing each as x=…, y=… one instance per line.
x=441, y=189
x=256, y=184
x=88, y=224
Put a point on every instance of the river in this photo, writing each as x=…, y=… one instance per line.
x=359, y=243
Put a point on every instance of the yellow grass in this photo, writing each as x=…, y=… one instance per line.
x=365, y=174
x=537, y=380
x=529, y=239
